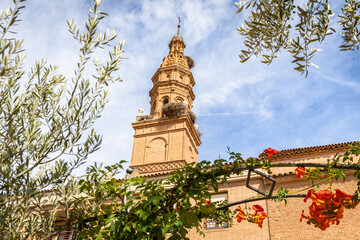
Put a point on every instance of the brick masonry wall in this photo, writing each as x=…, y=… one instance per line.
x=284, y=221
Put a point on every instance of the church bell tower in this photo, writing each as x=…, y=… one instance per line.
x=163, y=143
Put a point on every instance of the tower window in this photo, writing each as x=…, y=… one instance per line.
x=165, y=101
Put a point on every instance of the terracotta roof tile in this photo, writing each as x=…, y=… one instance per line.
x=291, y=153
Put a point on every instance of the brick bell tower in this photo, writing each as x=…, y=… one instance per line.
x=161, y=143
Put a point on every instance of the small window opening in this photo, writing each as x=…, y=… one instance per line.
x=210, y=223
x=165, y=101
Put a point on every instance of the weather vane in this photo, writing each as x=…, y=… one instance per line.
x=178, y=33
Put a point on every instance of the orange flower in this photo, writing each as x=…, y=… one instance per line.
x=241, y=215
x=270, y=152
x=327, y=208
x=262, y=218
x=239, y=209
x=258, y=208
x=257, y=217
x=346, y=199
x=321, y=196
x=350, y=203
x=303, y=216
x=324, y=196
x=208, y=202
x=300, y=172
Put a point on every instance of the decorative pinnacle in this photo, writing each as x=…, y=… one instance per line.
x=178, y=32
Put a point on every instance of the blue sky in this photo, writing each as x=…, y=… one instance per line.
x=248, y=107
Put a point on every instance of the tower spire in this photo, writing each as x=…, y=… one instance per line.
x=178, y=32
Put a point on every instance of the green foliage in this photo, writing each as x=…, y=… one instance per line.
x=46, y=126
x=315, y=174
x=168, y=207
x=349, y=21
x=348, y=158
x=281, y=195
x=295, y=27
x=153, y=209
x=344, y=159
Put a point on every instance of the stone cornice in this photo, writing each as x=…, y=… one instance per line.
x=168, y=84
x=175, y=67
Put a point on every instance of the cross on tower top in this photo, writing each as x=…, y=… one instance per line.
x=178, y=32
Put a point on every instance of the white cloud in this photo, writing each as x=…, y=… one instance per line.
x=247, y=106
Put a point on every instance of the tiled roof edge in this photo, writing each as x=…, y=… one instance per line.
x=312, y=149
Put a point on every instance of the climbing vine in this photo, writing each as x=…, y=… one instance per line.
x=168, y=207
